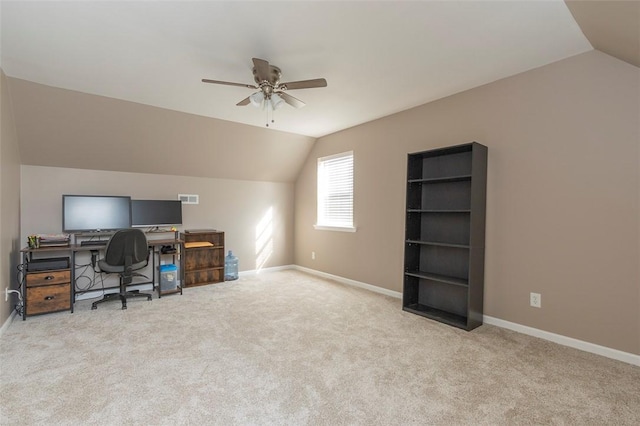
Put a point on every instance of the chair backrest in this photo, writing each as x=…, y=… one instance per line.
x=126, y=242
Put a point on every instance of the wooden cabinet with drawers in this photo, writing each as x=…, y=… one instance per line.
x=47, y=291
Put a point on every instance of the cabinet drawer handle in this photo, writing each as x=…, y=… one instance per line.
x=49, y=277
x=49, y=298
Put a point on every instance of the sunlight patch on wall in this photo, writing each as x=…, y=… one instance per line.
x=264, y=239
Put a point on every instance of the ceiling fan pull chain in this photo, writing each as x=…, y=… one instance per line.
x=267, y=107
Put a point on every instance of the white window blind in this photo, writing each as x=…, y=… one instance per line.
x=335, y=191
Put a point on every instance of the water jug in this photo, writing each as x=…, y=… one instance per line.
x=230, y=267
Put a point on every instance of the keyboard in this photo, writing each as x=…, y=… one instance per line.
x=94, y=243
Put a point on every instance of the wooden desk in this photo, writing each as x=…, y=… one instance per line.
x=52, y=285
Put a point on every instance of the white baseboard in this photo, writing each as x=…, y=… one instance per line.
x=552, y=337
x=348, y=281
x=8, y=322
x=270, y=269
x=565, y=341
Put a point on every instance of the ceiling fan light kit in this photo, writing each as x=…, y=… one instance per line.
x=271, y=93
x=276, y=101
x=256, y=99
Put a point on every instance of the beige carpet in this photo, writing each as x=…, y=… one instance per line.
x=287, y=348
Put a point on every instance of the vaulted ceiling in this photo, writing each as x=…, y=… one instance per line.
x=379, y=58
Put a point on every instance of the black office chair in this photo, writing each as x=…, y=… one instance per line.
x=126, y=251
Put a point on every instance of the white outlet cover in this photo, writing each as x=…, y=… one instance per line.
x=535, y=300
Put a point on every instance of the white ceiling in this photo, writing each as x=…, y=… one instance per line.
x=378, y=57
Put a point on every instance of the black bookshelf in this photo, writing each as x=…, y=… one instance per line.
x=445, y=230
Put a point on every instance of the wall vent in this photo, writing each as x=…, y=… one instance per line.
x=189, y=198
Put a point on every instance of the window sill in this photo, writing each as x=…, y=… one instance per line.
x=334, y=228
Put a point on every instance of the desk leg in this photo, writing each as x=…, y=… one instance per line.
x=153, y=272
x=73, y=279
x=23, y=287
x=181, y=261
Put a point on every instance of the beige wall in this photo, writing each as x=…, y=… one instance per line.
x=257, y=217
x=64, y=128
x=9, y=200
x=562, y=203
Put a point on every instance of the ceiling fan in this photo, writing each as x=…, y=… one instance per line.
x=271, y=92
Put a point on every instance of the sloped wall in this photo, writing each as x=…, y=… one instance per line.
x=64, y=128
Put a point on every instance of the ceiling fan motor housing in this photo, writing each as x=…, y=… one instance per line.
x=274, y=75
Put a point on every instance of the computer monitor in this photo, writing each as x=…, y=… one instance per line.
x=155, y=213
x=95, y=212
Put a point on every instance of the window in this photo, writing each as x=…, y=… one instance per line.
x=335, y=192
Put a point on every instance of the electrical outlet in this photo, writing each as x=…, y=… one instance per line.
x=313, y=255
x=535, y=300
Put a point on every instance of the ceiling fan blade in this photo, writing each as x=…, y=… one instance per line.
x=294, y=102
x=304, y=84
x=245, y=101
x=250, y=86
x=262, y=69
